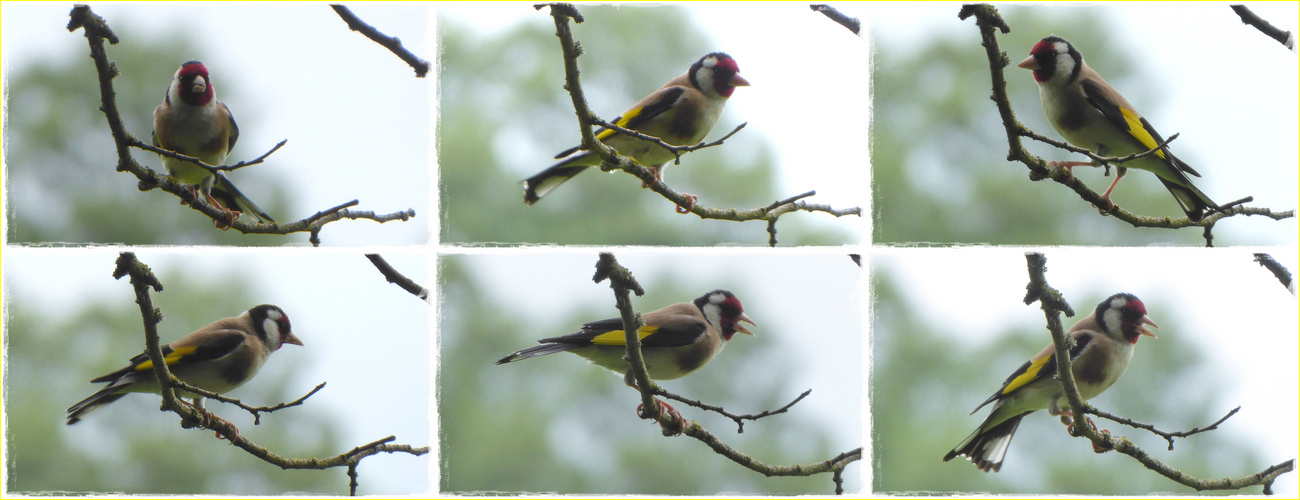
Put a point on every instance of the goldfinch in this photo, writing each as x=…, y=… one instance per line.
x=680, y=113
x=675, y=341
x=191, y=121
x=1091, y=114
x=1103, y=347
x=219, y=358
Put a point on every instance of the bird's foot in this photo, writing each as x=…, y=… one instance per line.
x=1110, y=205
x=659, y=176
x=666, y=409
x=1068, y=166
x=690, y=204
x=209, y=419
x=194, y=192
x=224, y=225
x=1102, y=447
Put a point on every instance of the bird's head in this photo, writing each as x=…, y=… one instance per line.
x=1053, y=60
x=723, y=310
x=717, y=75
x=192, y=84
x=1125, y=314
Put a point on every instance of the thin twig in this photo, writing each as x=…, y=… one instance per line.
x=851, y=23
x=1169, y=436
x=393, y=44
x=739, y=419
x=1279, y=271
x=397, y=278
x=255, y=410
x=1250, y=18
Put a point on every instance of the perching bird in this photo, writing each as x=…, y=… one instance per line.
x=1092, y=115
x=1103, y=348
x=219, y=358
x=680, y=113
x=675, y=341
x=191, y=121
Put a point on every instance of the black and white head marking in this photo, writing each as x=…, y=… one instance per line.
x=713, y=74
x=272, y=325
x=1123, y=314
x=1058, y=61
x=723, y=311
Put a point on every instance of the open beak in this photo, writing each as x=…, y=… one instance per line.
x=199, y=86
x=1147, y=321
x=741, y=328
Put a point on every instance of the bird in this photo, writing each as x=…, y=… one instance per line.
x=193, y=122
x=1103, y=348
x=681, y=113
x=218, y=358
x=676, y=340
x=1092, y=115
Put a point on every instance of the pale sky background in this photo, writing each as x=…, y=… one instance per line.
x=295, y=60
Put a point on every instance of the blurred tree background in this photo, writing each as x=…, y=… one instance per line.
x=53, y=350
x=939, y=149
x=926, y=379
x=560, y=424
x=503, y=117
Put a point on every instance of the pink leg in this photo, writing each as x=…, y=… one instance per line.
x=666, y=409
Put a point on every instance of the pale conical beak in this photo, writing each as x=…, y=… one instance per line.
x=1147, y=321
x=291, y=339
x=741, y=328
x=1029, y=63
x=737, y=81
x=200, y=85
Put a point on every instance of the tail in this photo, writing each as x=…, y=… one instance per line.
x=987, y=447
x=232, y=198
x=1193, y=202
x=96, y=401
x=537, y=186
x=535, y=351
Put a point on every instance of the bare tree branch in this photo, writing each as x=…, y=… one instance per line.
x=256, y=411
x=989, y=21
x=611, y=160
x=739, y=419
x=622, y=282
x=1283, y=275
x=391, y=43
x=96, y=31
x=397, y=278
x=1169, y=436
x=1252, y=19
x=1102, y=440
x=851, y=23
x=142, y=279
